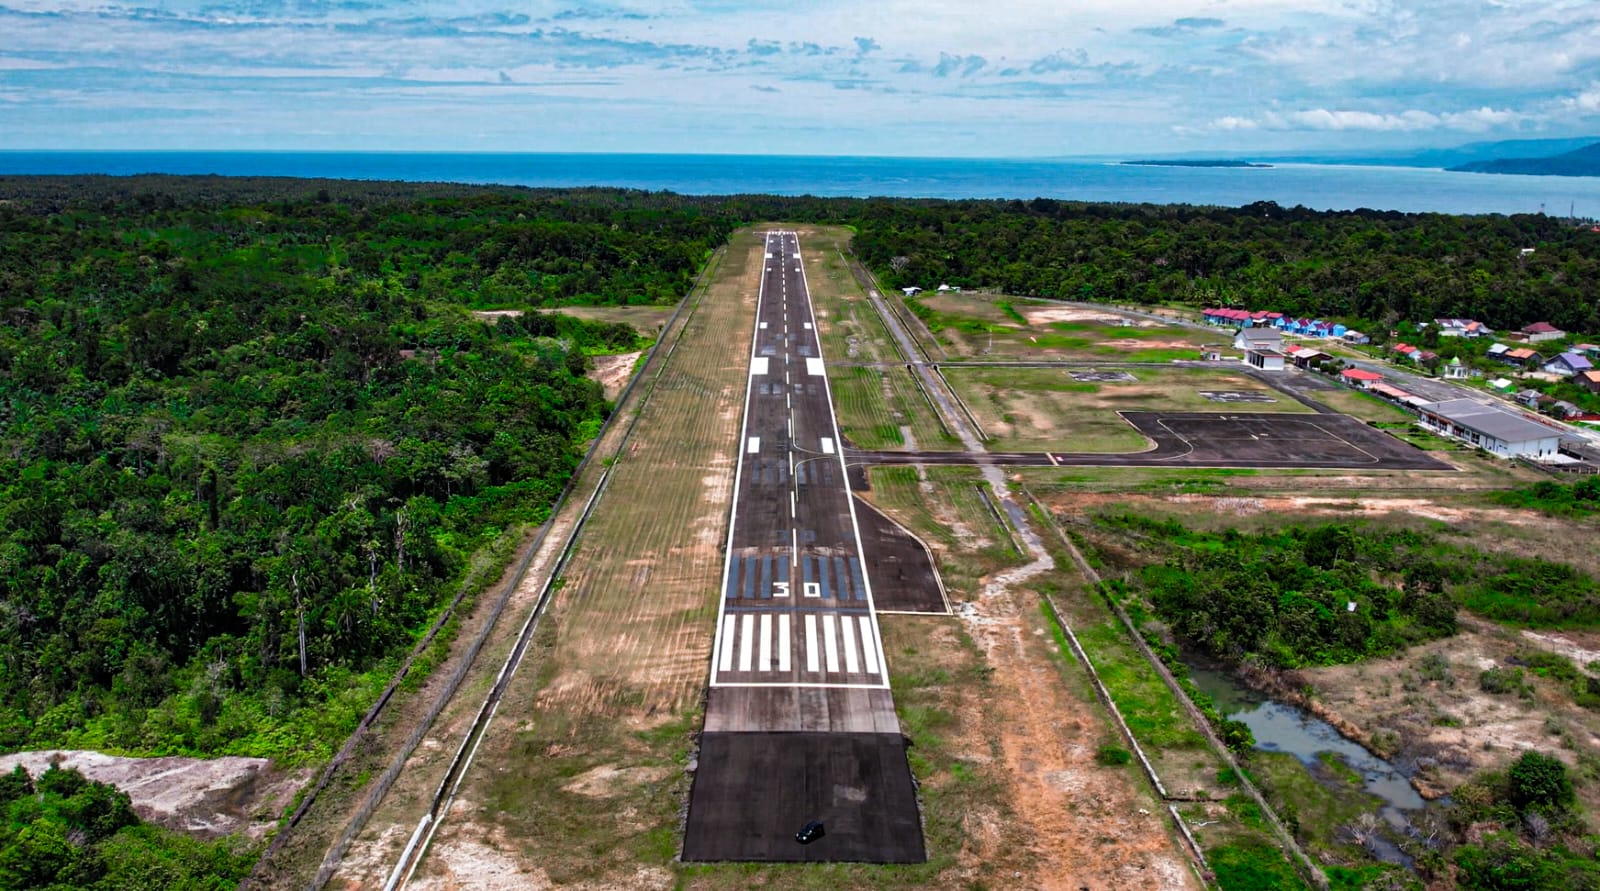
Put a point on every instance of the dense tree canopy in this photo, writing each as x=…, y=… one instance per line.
x=247, y=447
x=1356, y=265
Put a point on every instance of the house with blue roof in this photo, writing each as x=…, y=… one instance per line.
x=1568, y=364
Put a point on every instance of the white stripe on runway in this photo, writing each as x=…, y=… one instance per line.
x=758, y=365
x=851, y=664
x=830, y=642
x=811, y=643
x=827, y=446
x=867, y=645
x=814, y=366
x=764, y=657
x=745, y=640
x=783, y=642
x=727, y=644
x=754, y=445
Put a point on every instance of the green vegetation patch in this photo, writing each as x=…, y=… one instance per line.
x=1296, y=597
x=252, y=449
x=63, y=832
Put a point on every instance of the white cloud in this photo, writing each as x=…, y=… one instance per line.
x=1409, y=120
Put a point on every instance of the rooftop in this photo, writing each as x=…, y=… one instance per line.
x=1489, y=420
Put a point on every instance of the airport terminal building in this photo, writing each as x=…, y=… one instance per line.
x=1493, y=429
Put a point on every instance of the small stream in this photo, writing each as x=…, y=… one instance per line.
x=1284, y=728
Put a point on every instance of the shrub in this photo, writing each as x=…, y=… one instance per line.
x=1503, y=680
x=1540, y=780
x=1113, y=755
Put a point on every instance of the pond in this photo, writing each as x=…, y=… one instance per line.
x=1279, y=727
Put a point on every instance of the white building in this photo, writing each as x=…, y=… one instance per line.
x=1266, y=360
x=1259, y=339
x=1495, y=430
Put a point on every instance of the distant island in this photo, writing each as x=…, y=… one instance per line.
x=1215, y=163
x=1580, y=162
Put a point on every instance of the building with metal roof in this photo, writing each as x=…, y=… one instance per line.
x=1491, y=428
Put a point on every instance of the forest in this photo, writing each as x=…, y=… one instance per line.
x=250, y=447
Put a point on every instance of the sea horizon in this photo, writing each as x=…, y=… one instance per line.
x=1320, y=186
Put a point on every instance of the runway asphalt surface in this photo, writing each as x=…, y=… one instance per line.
x=797, y=658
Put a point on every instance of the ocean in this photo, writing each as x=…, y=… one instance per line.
x=1317, y=186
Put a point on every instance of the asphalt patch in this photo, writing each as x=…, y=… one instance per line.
x=899, y=568
x=1216, y=439
x=753, y=791
x=1256, y=439
x=1237, y=396
x=1102, y=377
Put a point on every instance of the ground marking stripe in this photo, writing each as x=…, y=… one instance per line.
x=867, y=646
x=811, y=643
x=764, y=658
x=833, y=422
x=783, y=642
x=830, y=642
x=851, y=663
x=827, y=446
x=727, y=644
x=746, y=637
x=722, y=652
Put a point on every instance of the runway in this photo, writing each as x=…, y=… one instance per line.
x=797, y=655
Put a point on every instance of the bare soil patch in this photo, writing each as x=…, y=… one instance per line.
x=1087, y=825
x=612, y=372
x=205, y=797
x=1043, y=315
x=1129, y=344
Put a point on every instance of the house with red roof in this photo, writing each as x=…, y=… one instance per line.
x=1360, y=378
x=1542, y=331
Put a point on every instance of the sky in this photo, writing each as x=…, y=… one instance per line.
x=941, y=78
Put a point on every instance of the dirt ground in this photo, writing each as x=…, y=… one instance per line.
x=613, y=371
x=1087, y=826
x=205, y=797
x=647, y=320
x=1043, y=315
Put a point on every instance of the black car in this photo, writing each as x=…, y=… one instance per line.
x=810, y=832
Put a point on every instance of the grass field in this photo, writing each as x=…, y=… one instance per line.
x=1363, y=406
x=1021, y=714
x=945, y=507
x=988, y=326
x=879, y=407
x=1036, y=409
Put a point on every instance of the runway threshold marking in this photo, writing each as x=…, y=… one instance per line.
x=811, y=643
